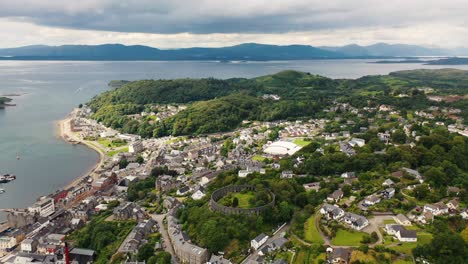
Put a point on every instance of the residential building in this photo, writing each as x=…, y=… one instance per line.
x=183, y=248
x=331, y=211
x=355, y=221
x=436, y=209
x=29, y=245
x=339, y=255
x=453, y=204
x=388, y=183
x=401, y=233
x=402, y=220
x=371, y=200
x=257, y=242
x=7, y=243
x=287, y=174
x=45, y=207
x=135, y=147
x=388, y=193
x=335, y=196
x=312, y=186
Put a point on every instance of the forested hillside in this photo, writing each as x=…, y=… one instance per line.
x=221, y=105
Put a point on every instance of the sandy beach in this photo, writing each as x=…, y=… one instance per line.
x=64, y=132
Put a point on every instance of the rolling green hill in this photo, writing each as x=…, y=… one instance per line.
x=221, y=105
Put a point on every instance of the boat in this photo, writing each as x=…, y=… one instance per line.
x=17, y=156
x=10, y=177
x=7, y=178
x=2, y=190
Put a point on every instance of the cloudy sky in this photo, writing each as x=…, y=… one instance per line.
x=213, y=23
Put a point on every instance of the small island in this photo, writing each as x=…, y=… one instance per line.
x=5, y=101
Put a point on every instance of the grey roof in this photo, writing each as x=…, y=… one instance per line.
x=82, y=251
x=402, y=218
x=408, y=233
x=280, y=261
x=260, y=237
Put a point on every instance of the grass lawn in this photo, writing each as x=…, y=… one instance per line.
x=322, y=256
x=402, y=261
x=302, y=257
x=109, y=143
x=113, y=152
x=311, y=234
x=301, y=142
x=244, y=199
x=388, y=222
x=286, y=255
x=258, y=158
x=347, y=238
x=406, y=248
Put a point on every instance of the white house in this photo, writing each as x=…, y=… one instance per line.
x=199, y=194
x=357, y=222
x=335, y=196
x=401, y=233
x=436, y=209
x=464, y=213
x=7, y=242
x=357, y=141
x=45, y=207
x=244, y=173
x=331, y=211
x=348, y=174
x=371, y=200
x=388, y=182
x=388, y=193
x=257, y=242
x=29, y=245
x=287, y=174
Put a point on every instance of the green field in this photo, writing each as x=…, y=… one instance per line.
x=258, y=158
x=311, y=234
x=301, y=142
x=407, y=247
x=347, y=238
x=113, y=152
x=402, y=261
x=244, y=199
x=302, y=257
x=110, y=143
x=389, y=221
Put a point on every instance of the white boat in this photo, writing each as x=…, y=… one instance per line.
x=2, y=190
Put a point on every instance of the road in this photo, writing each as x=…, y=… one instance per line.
x=159, y=218
x=278, y=234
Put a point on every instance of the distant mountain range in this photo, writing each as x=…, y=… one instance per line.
x=247, y=51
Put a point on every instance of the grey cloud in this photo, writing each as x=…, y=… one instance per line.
x=231, y=16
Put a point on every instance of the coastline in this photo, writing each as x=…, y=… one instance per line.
x=65, y=133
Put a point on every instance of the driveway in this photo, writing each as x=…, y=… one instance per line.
x=374, y=224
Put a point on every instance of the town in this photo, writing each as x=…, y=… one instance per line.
x=137, y=204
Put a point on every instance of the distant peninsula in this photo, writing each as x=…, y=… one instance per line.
x=5, y=101
x=444, y=61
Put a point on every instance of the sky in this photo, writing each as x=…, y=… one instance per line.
x=216, y=23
